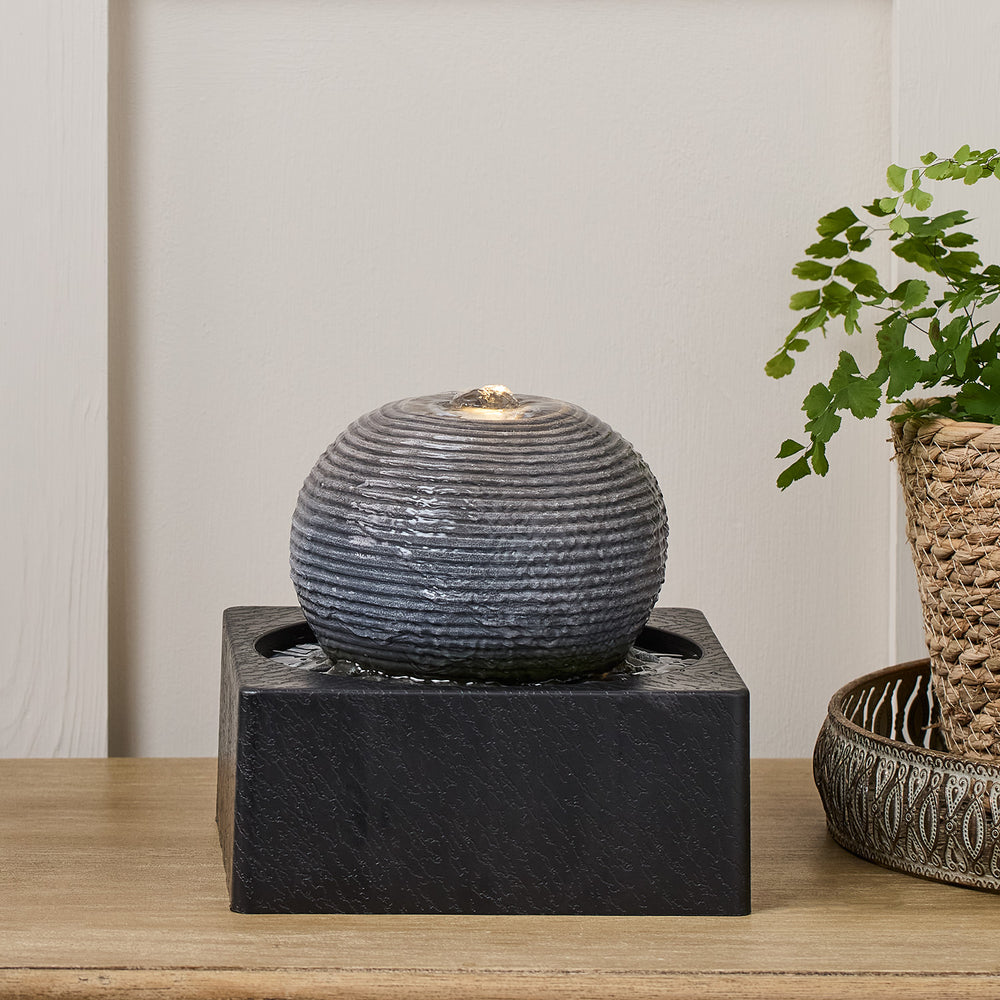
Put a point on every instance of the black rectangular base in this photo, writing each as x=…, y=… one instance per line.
x=340, y=794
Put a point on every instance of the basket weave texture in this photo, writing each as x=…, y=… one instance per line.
x=950, y=474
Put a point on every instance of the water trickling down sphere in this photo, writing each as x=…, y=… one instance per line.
x=479, y=536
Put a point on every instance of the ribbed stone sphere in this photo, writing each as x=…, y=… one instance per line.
x=479, y=537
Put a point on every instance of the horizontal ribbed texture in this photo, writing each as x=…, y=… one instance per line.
x=438, y=541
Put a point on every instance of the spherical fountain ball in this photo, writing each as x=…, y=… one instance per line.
x=481, y=537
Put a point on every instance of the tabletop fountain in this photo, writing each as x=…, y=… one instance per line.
x=476, y=708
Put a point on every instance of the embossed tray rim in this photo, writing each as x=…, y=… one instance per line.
x=880, y=766
x=835, y=709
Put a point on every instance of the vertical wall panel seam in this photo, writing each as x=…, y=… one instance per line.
x=894, y=498
x=105, y=14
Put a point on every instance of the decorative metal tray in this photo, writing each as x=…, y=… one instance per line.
x=894, y=796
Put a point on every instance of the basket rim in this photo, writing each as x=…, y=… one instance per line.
x=936, y=418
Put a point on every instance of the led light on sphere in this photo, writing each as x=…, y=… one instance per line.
x=479, y=536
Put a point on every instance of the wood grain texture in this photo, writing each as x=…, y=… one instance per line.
x=417, y=984
x=53, y=396
x=112, y=885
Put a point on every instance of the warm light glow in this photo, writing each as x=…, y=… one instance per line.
x=491, y=392
x=492, y=402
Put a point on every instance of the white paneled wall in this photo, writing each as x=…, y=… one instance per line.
x=53, y=378
x=316, y=208
x=321, y=207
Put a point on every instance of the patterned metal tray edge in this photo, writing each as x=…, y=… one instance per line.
x=893, y=796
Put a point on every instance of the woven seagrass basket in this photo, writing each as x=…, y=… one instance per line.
x=950, y=474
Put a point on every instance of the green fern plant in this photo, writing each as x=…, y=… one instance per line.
x=937, y=340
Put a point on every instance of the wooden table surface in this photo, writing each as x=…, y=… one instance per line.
x=111, y=885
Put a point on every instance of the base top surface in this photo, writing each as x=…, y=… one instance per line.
x=257, y=632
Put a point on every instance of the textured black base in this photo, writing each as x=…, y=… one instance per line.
x=625, y=795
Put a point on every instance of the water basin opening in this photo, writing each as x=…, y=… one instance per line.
x=660, y=642
x=282, y=639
